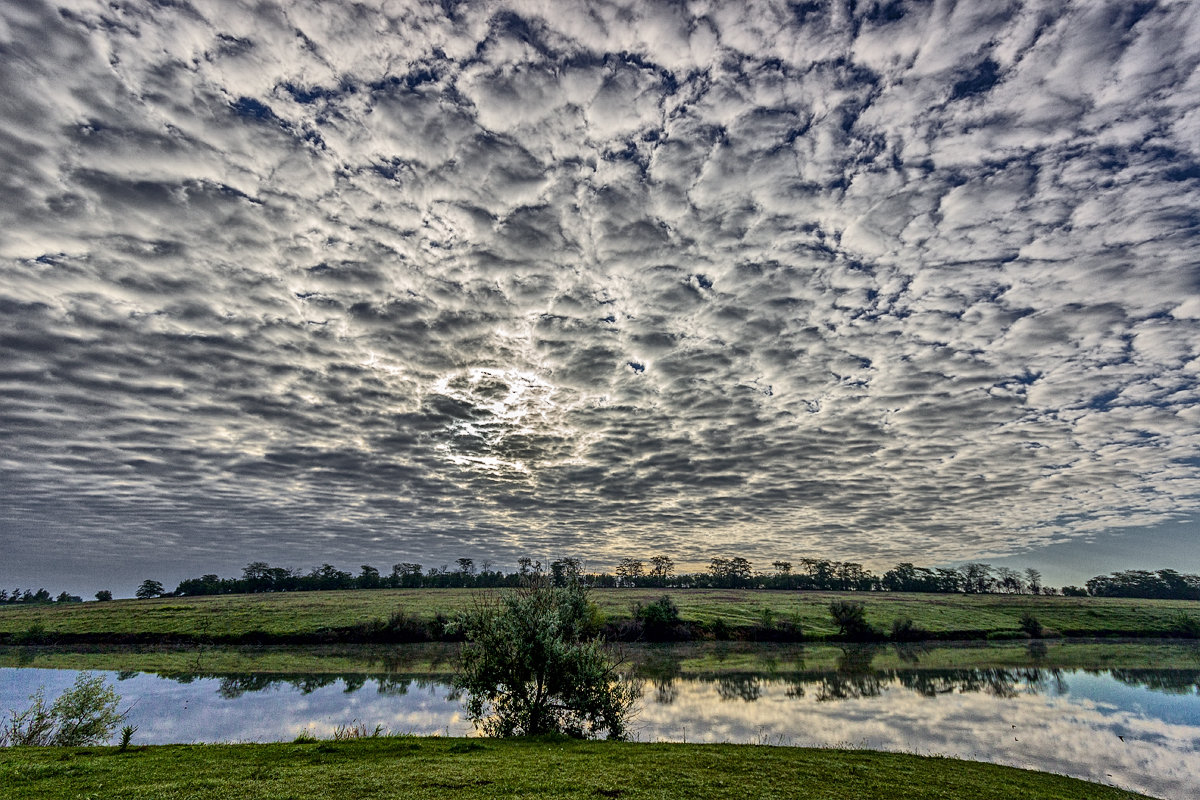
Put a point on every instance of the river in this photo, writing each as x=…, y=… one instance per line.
x=1134, y=727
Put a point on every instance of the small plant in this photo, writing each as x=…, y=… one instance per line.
x=127, y=733
x=305, y=737
x=84, y=714
x=1031, y=625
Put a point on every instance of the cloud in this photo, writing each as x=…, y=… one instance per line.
x=507, y=278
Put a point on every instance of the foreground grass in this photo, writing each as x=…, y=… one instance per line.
x=462, y=768
x=361, y=614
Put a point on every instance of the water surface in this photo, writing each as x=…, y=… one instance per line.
x=1134, y=728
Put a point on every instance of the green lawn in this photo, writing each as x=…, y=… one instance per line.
x=311, y=613
x=459, y=768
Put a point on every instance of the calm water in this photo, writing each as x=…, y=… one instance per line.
x=1138, y=729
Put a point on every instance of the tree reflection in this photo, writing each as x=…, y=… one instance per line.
x=853, y=678
x=1167, y=681
x=747, y=688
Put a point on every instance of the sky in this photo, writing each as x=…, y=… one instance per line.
x=384, y=281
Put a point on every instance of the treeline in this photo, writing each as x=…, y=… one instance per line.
x=1164, y=583
x=655, y=572
x=39, y=597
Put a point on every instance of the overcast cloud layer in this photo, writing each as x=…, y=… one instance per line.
x=320, y=281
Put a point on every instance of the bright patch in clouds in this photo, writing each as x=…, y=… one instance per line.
x=386, y=280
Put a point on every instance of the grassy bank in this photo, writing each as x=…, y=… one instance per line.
x=397, y=615
x=683, y=660
x=459, y=768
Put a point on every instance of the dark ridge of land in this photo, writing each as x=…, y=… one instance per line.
x=415, y=615
x=412, y=767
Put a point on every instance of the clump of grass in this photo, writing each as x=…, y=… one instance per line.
x=305, y=737
x=358, y=730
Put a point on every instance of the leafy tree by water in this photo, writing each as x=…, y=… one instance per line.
x=82, y=715
x=531, y=665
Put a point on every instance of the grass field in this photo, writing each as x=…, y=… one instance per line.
x=351, y=614
x=684, y=660
x=461, y=768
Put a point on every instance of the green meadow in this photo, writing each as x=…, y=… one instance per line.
x=421, y=768
x=363, y=615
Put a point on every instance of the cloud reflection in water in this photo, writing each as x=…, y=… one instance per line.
x=1085, y=724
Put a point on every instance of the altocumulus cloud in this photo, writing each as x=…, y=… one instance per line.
x=874, y=279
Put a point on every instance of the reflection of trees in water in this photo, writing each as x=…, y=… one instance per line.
x=232, y=686
x=996, y=681
x=661, y=670
x=739, y=687
x=1167, y=681
x=853, y=678
x=909, y=652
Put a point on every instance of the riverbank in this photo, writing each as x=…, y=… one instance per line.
x=414, y=767
x=651, y=661
x=397, y=615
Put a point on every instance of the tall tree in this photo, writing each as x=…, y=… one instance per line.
x=148, y=589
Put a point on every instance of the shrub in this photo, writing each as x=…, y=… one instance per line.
x=658, y=619
x=1184, y=626
x=1031, y=625
x=34, y=634
x=850, y=617
x=404, y=627
x=84, y=714
x=905, y=630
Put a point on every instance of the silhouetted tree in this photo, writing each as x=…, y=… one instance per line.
x=630, y=570
x=148, y=589
x=368, y=577
x=661, y=568
x=1033, y=579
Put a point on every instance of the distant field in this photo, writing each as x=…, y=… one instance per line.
x=353, y=613
x=468, y=768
